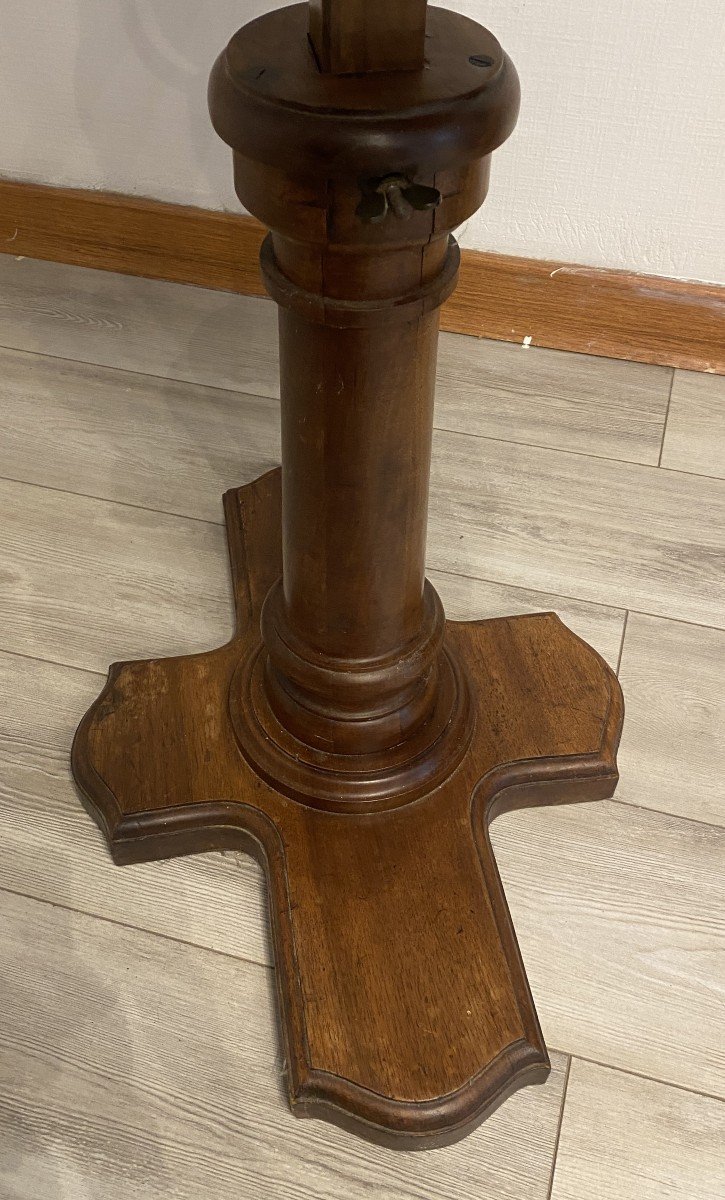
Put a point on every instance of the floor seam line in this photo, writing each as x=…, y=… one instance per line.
x=481, y=437
x=442, y=428
x=621, y=644
x=664, y=426
x=525, y=588
x=191, y=383
x=488, y=437
x=595, y=1062
x=142, y=929
x=52, y=662
x=662, y=812
x=560, y=1123
x=162, y=512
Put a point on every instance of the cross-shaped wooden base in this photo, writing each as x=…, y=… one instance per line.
x=405, y=1007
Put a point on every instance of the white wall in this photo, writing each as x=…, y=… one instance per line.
x=617, y=160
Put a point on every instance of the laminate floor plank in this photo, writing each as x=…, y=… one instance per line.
x=134, y=1068
x=575, y=402
x=171, y=330
x=695, y=435
x=87, y=581
x=119, y=435
x=620, y=915
x=467, y=599
x=598, y=406
x=612, y=533
x=672, y=754
x=623, y=1137
x=51, y=849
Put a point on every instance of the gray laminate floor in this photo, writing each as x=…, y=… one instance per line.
x=138, y=1053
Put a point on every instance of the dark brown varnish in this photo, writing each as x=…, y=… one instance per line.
x=354, y=702
x=355, y=36
x=348, y=734
x=406, y=1013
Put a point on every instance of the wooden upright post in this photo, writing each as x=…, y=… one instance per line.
x=357, y=36
x=348, y=734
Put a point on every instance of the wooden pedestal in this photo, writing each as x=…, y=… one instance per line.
x=405, y=1008
x=348, y=734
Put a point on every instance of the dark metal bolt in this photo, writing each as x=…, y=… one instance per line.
x=397, y=194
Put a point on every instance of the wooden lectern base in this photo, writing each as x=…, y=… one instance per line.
x=406, y=1011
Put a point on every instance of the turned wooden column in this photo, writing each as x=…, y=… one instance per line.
x=361, y=179
x=354, y=654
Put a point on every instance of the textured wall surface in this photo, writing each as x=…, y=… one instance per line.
x=617, y=161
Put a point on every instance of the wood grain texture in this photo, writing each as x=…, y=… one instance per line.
x=623, y=1136
x=368, y=35
x=166, y=329
x=133, y=568
x=584, y=309
x=622, y=928
x=624, y=903
x=352, y=633
x=50, y=850
x=673, y=676
x=608, y=532
x=185, y=898
x=105, y=1091
x=141, y=440
x=39, y=811
x=565, y=401
x=466, y=599
x=406, y=1015
x=595, y=406
x=352, y=700
x=643, y=318
x=136, y=236
x=55, y=604
x=695, y=435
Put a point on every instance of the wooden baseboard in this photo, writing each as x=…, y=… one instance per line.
x=617, y=314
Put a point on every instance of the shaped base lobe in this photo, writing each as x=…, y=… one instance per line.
x=405, y=1007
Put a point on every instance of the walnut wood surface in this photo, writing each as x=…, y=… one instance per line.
x=269, y=101
x=564, y=306
x=405, y=1008
x=354, y=700
x=347, y=732
x=351, y=36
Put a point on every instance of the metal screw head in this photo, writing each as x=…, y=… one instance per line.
x=481, y=60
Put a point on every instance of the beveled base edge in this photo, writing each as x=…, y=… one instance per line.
x=433, y=1124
